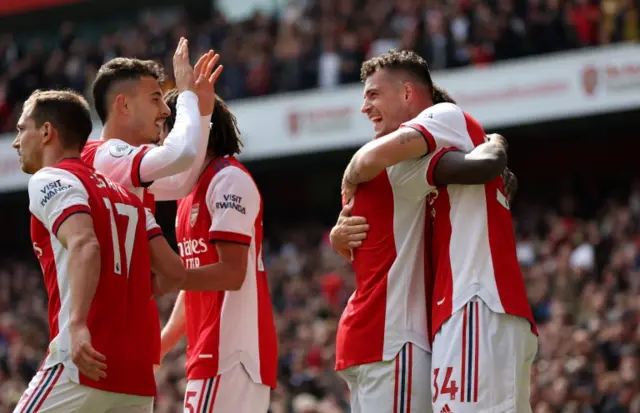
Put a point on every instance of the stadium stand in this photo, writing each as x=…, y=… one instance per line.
x=316, y=44
x=578, y=247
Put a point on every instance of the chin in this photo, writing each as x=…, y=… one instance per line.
x=28, y=169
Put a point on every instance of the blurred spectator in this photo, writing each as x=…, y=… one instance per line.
x=581, y=263
x=583, y=279
x=318, y=43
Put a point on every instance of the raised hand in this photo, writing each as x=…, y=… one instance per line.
x=182, y=70
x=206, y=79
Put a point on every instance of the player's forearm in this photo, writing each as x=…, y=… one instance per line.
x=222, y=276
x=176, y=327
x=490, y=160
x=483, y=164
x=84, y=275
x=178, y=186
x=179, y=150
x=169, y=272
x=384, y=152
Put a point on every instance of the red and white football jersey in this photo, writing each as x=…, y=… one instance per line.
x=166, y=175
x=473, y=248
x=390, y=305
x=120, y=316
x=121, y=163
x=225, y=328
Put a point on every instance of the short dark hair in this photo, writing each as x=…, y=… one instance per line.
x=67, y=111
x=224, y=135
x=407, y=61
x=118, y=70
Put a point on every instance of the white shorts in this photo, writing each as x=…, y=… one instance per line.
x=482, y=362
x=51, y=391
x=230, y=392
x=398, y=386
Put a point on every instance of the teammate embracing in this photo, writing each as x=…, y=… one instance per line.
x=481, y=322
x=382, y=345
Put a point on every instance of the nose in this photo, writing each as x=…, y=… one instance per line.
x=366, y=107
x=165, y=110
x=16, y=143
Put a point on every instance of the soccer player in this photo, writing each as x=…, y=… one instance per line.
x=129, y=101
x=481, y=322
x=226, y=313
x=382, y=344
x=86, y=232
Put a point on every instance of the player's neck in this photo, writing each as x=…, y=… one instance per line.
x=53, y=157
x=423, y=105
x=112, y=130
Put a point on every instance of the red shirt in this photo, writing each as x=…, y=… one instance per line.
x=121, y=163
x=473, y=246
x=225, y=328
x=120, y=315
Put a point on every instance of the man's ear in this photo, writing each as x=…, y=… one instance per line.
x=47, y=131
x=121, y=104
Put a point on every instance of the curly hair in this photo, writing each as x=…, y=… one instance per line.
x=224, y=135
x=407, y=61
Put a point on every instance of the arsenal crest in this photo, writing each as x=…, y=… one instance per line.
x=193, y=217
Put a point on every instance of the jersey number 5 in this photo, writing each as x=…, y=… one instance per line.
x=131, y=213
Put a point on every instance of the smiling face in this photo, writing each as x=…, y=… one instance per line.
x=385, y=102
x=147, y=110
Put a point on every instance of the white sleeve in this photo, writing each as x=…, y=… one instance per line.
x=234, y=202
x=120, y=162
x=55, y=195
x=443, y=126
x=178, y=186
x=153, y=229
x=136, y=167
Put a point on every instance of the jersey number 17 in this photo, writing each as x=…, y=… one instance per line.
x=131, y=213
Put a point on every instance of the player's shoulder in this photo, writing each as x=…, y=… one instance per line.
x=92, y=145
x=52, y=173
x=116, y=148
x=229, y=167
x=229, y=172
x=49, y=181
x=441, y=110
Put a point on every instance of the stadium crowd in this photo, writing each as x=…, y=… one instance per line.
x=581, y=267
x=312, y=44
x=581, y=264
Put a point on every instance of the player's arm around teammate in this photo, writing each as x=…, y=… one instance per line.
x=476, y=167
x=349, y=231
x=480, y=165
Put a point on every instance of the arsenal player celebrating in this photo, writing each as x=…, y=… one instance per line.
x=128, y=99
x=382, y=344
x=226, y=310
x=483, y=344
x=87, y=232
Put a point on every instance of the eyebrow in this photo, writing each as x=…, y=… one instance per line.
x=370, y=90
